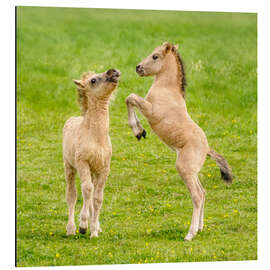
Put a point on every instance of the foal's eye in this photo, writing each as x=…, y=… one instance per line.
x=155, y=57
x=93, y=81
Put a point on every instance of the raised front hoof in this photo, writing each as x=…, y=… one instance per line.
x=82, y=230
x=189, y=237
x=140, y=135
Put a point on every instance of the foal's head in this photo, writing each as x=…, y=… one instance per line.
x=93, y=86
x=155, y=62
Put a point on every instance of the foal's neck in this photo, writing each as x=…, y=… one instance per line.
x=96, y=118
x=170, y=76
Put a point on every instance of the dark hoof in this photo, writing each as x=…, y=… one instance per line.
x=82, y=231
x=144, y=133
x=138, y=136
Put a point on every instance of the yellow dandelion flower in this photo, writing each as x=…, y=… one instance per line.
x=209, y=175
x=57, y=255
x=50, y=233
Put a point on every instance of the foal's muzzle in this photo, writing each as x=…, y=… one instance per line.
x=113, y=75
x=139, y=70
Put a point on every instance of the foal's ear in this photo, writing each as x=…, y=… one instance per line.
x=78, y=83
x=175, y=47
x=167, y=47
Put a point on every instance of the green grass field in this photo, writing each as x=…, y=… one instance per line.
x=147, y=208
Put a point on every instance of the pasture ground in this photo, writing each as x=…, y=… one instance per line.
x=147, y=208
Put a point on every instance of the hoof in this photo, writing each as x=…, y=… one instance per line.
x=144, y=133
x=82, y=230
x=140, y=135
x=71, y=233
x=189, y=237
x=71, y=229
x=94, y=235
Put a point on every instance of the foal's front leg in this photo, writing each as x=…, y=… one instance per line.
x=87, y=192
x=99, y=185
x=144, y=107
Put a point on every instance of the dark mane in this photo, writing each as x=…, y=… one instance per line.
x=182, y=75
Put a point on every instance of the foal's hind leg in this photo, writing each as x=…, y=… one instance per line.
x=145, y=108
x=71, y=197
x=188, y=166
x=202, y=209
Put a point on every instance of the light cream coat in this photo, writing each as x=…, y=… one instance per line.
x=87, y=148
x=165, y=109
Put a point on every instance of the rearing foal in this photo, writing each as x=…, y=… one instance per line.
x=165, y=109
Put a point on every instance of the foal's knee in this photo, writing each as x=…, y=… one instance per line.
x=87, y=188
x=97, y=203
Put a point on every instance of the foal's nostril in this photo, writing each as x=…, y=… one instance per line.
x=138, y=67
x=111, y=71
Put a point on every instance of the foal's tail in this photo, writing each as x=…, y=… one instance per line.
x=225, y=170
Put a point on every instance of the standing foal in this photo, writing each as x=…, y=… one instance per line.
x=87, y=148
x=165, y=109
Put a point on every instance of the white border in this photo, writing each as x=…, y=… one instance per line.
x=192, y=5
x=8, y=115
